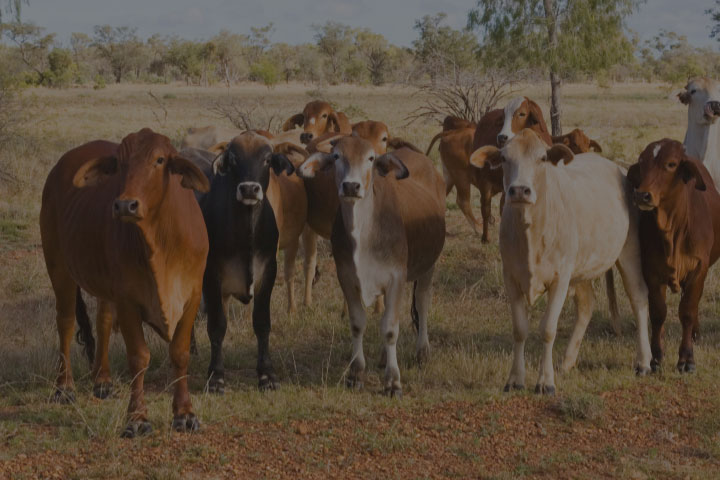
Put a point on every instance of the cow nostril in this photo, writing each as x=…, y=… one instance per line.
x=133, y=206
x=646, y=196
x=116, y=206
x=511, y=191
x=256, y=188
x=527, y=191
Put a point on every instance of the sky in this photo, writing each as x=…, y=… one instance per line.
x=202, y=19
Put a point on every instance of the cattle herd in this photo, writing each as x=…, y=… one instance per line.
x=152, y=233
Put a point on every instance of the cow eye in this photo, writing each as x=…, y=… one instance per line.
x=672, y=165
x=692, y=92
x=522, y=114
x=336, y=156
x=372, y=159
x=324, y=115
x=384, y=139
x=160, y=161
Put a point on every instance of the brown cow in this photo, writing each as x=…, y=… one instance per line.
x=318, y=117
x=577, y=142
x=449, y=124
x=122, y=223
x=679, y=233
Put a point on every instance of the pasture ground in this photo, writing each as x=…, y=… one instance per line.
x=453, y=420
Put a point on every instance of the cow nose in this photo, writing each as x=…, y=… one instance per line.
x=519, y=193
x=714, y=107
x=306, y=137
x=501, y=139
x=250, y=190
x=643, y=197
x=126, y=209
x=351, y=189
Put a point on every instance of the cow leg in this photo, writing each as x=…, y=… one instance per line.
x=485, y=204
x=658, y=313
x=183, y=417
x=310, y=246
x=289, y=268
x=449, y=182
x=265, y=273
x=422, y=298
x=379, y=304
x=101, y=368
x=215, y=305
x=688, y=313
x=638, y=292
x=584, y=306
x=548, y=329
x=463, y=201
x=65, y=291
x=358, y=321
x=138, y=356
x=519, y=312
x=390, y=327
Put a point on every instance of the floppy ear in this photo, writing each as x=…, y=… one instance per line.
x=559, y=152
x=294, y=121
x=316, y=162
x=535, y=114
x=192, y=176
x=385, y=163
x=288, y=148
x=684, y=97
x=487, y=155
x=326, y=146
x=220, y=164
x=218, y=147
x=280, y=163
x=595, y=146
x=689, y=170
x=633, y=175
x=333, y=123
x=95, y=171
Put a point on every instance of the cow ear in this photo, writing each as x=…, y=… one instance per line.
x=689, y=170
x=280, y=163
x=684, y=97
x=294, y=121
x=534, y=115
x=315, y=163
x=559, y=152
x=633, y=175
x=333, y=123
x=218, y=147
x=221, y=163
x=487, y=155
x=595, y=146
x=192, y=176
x=95, y=171
x=388, y=162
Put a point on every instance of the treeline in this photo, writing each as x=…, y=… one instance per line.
x=340, y=54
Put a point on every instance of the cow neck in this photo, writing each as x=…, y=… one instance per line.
x=703, y=142
x=673, y=221
x=358, y=220
x=242, y=220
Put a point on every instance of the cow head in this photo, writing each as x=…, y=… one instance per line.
x=702, y=96
x=247, y=161
x=520, y=113
x=662, y=168
x=578, y=142
x=376, y=133
x=523, y=159
x=316, y=118
x=354, y=160
x=146, y=162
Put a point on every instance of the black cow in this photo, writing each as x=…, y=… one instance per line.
x=243, y=239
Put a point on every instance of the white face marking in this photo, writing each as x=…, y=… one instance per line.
x=656, y=150
x=312, y=121
x=509, y=111
x=249, y=200
x=358, y=172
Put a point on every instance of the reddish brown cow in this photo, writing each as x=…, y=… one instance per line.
x=450, y=124
x=577, y=141
x=122, y=223
x=679, y=233
x=318, y=117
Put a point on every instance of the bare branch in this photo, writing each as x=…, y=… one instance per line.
x=247, y=114
x=162, y=106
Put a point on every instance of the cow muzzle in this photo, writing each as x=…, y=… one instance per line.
x=306, y=137
x=643, y=200
x=520, y=194
x=127, y=210
x=249, y=193
x=351, y=191
x=712, y=110
x=502, y=140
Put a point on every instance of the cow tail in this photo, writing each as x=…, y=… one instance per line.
x=612, y=301
x=84, y=335
x=413, y=310
x=432, y=142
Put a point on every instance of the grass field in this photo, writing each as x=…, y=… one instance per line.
x=453, y=420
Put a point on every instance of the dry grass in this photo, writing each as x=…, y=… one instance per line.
x=469, y=333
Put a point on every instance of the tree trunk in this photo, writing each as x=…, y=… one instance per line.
x=555, y=81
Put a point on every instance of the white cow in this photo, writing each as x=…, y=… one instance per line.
x=702, y=139
x=564, y=224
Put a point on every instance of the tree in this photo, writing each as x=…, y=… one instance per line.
x=32, y=46
x=440, y=48
x=118, y=46
x=671, y=58
x=560, y=37
x=259, y=42
x=374, y=51
x=334, y=40
x=230, y=49
x=715, y=16
x=13, y=8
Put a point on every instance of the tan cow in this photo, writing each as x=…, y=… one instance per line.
x=702, y=138
x=390, y=229
x=318, y=117
x=577, y=142
x=566, y=221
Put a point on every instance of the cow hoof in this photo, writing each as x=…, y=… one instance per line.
x=136, y=429
x=216, y=386
x=484, y=240
x=267, y=383
x=102, y=390
x=354, y=383
x=63, y=396
x=686, y=367
x=642, y=371
x=655, y=366
x=186, y=423
x=393, y=392
x=422, y=356
x=513, y=386
x=545, y=389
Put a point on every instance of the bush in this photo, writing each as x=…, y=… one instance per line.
x=99, y=82
x=266, y=72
